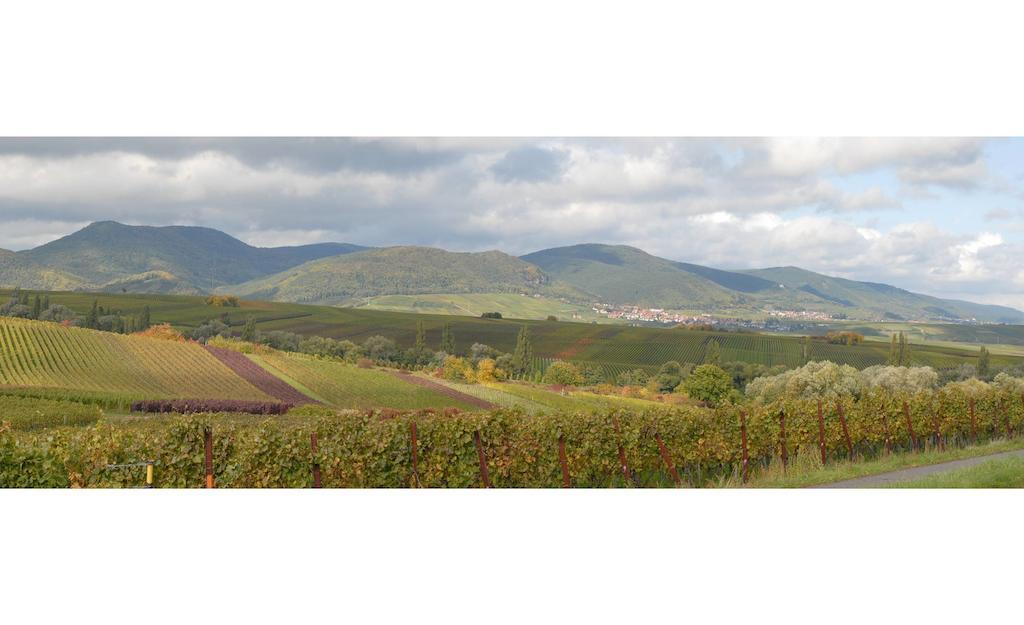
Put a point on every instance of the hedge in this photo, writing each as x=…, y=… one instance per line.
x=374, y=450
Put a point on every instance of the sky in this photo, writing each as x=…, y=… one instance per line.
x=943, y=216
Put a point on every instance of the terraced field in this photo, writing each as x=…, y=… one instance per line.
x=40, y=355
x=347, y=386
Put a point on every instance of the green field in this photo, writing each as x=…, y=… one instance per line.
x=29, y=413
x=342, y=385
x=511, y=306
x=36, y=355
x=615, y=348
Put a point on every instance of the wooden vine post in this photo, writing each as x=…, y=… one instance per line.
x=316, y=465
x=974, y=421
x=885, y=430
x=782, y=439
x=743, y=439
x=562, y=460
x=938, y=431
x=484, y=475
x=821, y=434
x=668, y=460
x=208, y=453
x=415, y=454
x=622, y=454
x=910, y=425
x=846, y=431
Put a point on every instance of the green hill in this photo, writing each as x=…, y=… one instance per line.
x=403, y=271
x=882, y=301
x=622, y=275
x=177, y=259
x=112, y=257
x=618, y=274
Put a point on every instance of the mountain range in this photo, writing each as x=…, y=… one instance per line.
x=109, y=256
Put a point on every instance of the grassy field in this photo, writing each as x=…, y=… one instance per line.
x=343, y=385
x=28, y=413
x=806, y=470
x=510, y=305
x=1002, y=473
x=615, y=347
x=41, y=355
x=570, y=400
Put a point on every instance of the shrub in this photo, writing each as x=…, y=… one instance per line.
x=1008, y=384
x=209, y=329
x=895, y=379
x=457, y=370
x=670, y=375
x=162, y=331
x=709, y=384
x=222, y=301
x=380, y=348
x=57, y=313
x=844, y=338
x=563, y=373
x=488, y=371
x=491, y=315
x=815, y=380
x=636, y=377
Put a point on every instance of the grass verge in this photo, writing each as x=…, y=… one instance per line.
x=806, y=470
x=1001, y=473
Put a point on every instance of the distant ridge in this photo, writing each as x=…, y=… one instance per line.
x=403, y=270
x=110, y=256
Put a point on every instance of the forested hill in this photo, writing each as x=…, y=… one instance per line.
x=177, y=259
x=113, y=257
x=404, y=270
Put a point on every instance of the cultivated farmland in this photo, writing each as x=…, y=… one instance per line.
x=615, y=348
x=347, y=386
x=41, y=355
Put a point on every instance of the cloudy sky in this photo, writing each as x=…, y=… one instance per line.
x=940, y=216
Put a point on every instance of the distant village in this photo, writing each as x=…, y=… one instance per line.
x=775, y=320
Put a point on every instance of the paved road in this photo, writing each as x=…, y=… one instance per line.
x=882, y=479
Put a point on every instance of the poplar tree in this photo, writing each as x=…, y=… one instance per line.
x=249, y=330
x=46, y=302
x=37, y=307
x=893, y=359
x=447, y=340
x=522, y=357
x=92, y=320
x=713, y=353
x=421, y=337
x=983, y=362
x=143, y=321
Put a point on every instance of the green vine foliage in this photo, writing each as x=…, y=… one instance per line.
x=375, y=449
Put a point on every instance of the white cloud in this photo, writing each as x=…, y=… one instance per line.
x=730, y=203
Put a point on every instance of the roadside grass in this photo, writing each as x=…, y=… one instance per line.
x=805, y=469
x=1002, y=473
